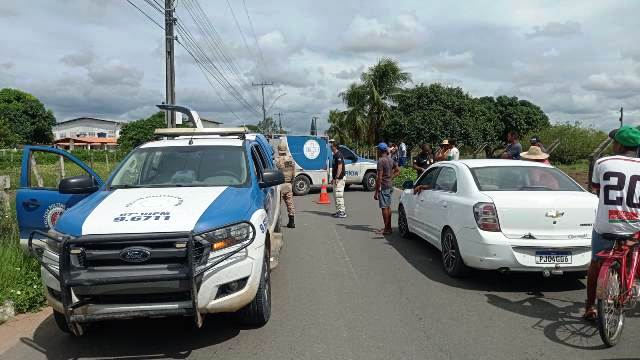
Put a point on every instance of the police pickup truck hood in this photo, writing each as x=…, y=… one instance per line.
x=148, y=210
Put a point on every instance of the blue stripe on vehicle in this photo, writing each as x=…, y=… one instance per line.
x=71, y=221
x=235, y=204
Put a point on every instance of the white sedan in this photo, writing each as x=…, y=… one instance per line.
x=505, y=215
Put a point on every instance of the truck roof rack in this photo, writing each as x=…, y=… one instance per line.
x=175, y=132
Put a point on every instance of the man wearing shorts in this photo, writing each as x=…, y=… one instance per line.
x=615, y=181
x=387, y=170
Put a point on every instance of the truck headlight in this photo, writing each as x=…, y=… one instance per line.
x=228, y=237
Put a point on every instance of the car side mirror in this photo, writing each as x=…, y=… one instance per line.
x=81, y=184
x=407, y=185
x=272, y=178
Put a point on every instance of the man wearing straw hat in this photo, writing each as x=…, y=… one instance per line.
x=536, y=154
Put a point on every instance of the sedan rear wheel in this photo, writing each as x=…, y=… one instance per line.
x=451, y=257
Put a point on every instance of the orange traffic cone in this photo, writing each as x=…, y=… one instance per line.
x=324, y=196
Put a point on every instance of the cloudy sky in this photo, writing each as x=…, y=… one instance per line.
x=579, y=60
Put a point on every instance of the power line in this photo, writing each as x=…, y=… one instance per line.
x=254, y=36
x=145, y=14
x=214, y=40
x=215, y=45
x=200, y=56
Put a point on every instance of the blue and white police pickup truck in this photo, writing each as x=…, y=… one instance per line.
x=313, y=160
x=183, y=227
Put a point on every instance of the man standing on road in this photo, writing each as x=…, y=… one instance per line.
x=617, y=212
x=284, y=162
x=387, y=170
x=423, y=160
x=535, y=141
x=514, y=148
x=403, y=154
x=337, y=180
x=443, y=151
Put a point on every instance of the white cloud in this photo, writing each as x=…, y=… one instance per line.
x=78, y=59
x=551, y=53
x=350, y=74
x=446, y=61
x=402, y=34
x=556, y=30
x=619, y=85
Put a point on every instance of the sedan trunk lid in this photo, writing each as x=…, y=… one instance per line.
x=545, y=215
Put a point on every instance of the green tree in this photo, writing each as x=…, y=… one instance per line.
x=26, y=117
x=370, y=101
x=140, y=131
x=268, y=126
x=8, y=139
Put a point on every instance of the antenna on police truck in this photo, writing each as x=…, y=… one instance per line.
x=191, y=114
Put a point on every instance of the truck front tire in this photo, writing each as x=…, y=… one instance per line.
x=301, y=185
x=369, y=181
x=258, y=312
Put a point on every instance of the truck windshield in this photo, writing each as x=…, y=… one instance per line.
x=183, y=166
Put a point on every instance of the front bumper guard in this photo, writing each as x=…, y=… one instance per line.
x=68, y=276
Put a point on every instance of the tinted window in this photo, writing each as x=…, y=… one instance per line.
x=522, y=178
x=446, y=180
x=429, y=177
x=183, y=166
x=347, y=153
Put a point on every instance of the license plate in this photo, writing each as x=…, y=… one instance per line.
x=553, y=257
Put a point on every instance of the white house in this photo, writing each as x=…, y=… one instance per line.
x=87, y=126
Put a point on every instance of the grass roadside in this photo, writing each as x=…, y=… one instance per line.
x=19, y=273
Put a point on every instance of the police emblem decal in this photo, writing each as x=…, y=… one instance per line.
x=53, y=213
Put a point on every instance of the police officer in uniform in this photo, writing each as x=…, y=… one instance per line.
x=284, y=162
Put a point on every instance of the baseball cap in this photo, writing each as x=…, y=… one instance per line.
x=534, y=139
x=382, y=147
x=445, y=142
x=626, y=135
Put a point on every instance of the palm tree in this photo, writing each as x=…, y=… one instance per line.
x=369, y=102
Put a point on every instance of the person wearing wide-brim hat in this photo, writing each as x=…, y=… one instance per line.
x=443, y=151
x=535, y=154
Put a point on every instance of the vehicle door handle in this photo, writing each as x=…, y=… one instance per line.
x=31, y=203
x=444, y=204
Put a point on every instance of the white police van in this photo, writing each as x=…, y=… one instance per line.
x=184, y=226
x=313, y=159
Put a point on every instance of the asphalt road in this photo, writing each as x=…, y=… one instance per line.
x=342, y=292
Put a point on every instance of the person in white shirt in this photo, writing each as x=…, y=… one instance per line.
x=403, y=153
x=454, y=153
x=616, y=180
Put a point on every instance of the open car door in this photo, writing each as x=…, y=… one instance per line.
x=41, y=200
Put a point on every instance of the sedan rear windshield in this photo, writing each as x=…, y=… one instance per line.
x=522, y=178
x=183, y=166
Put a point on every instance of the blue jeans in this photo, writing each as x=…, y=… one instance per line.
x=598, y=244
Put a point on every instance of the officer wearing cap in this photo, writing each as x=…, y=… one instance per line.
x=284, y=162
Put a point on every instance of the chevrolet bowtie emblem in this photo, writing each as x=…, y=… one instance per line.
x=554, y=214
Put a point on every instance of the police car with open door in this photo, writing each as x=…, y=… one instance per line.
x=185, y=226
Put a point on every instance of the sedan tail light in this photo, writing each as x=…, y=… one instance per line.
x=486, y=217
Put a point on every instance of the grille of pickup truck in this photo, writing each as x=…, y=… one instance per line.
x=158, y=251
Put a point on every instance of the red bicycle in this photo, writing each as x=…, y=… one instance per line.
x=618, y=285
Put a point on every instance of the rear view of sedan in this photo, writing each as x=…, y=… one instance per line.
x=505, y=215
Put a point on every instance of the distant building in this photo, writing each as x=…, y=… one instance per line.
x=86, y=142
x=89, y=127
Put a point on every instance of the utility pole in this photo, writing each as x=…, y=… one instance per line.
x=262, y=85
x=169, y=22
x=621, y=116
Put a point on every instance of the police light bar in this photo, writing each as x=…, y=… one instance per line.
x=235, y=131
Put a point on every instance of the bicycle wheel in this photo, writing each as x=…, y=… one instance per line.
x=610, y=311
